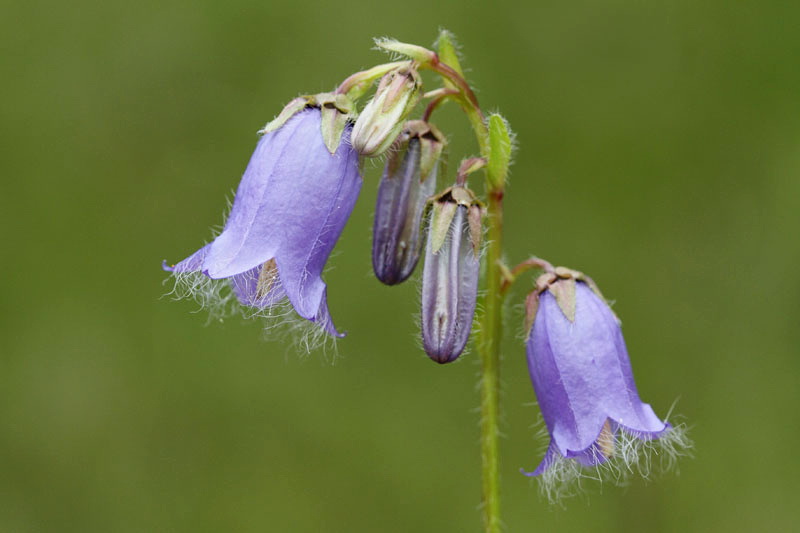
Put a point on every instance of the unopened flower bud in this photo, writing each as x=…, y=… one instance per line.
x=450, y=276
x=382, y=118
x=408, y=180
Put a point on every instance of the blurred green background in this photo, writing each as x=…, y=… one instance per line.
x=658, y=152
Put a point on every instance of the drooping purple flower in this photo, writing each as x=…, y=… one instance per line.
x=409, y=179
x=450, y=275
x=583, y=380
x=290, y=209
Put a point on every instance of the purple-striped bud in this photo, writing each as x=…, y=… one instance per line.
x=382, y=118
x=409, y=179
x=450, y=276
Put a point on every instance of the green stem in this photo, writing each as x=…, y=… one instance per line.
x=491, y=332
x=491, y=321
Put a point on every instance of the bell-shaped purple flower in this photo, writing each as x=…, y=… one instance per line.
x=409, y=179
x=583, y=380
x=451, y=272
x=290, y=208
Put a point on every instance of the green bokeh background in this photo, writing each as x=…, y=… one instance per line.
x=658, y=152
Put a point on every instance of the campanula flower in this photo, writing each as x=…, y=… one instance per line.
x=584, y=384
x=289, y=210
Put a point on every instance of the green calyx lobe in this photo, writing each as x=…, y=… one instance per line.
x=415, y=52
x=444, y=209
x=431, y=144
x=561, y=283
x=336, y=110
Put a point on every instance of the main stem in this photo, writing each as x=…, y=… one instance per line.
x=491, y=332
x=491, y=321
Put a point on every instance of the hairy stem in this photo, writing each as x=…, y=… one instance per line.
x=491, y=325
x=491, y=332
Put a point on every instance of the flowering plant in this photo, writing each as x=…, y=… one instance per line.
x=297, y=194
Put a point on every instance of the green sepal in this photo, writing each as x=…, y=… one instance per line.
x=531, y=308
x=336, y=111
x=291, y=109
x=475, y=219
x=462, y=195
x=500, y=148
x=445, y=205
x=395, y=156
x=562, y=284
x=333, y=124
x=564, y=292
x=415, y=52
x=580, y=276
x=431, y=144
x=443, y=213
x=430, y=154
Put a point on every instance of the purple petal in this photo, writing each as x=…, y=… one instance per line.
x=255, y=228
x=321, y=199
x=193, y=263
x=291, y=206
x=323, y=317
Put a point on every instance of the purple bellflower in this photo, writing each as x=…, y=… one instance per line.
x=289, y=210
x=584, y=385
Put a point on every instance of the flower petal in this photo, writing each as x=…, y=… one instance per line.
x=193, y=263
x=255, y=228
x=322, y=198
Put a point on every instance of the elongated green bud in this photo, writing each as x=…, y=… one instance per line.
x=382, y=118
